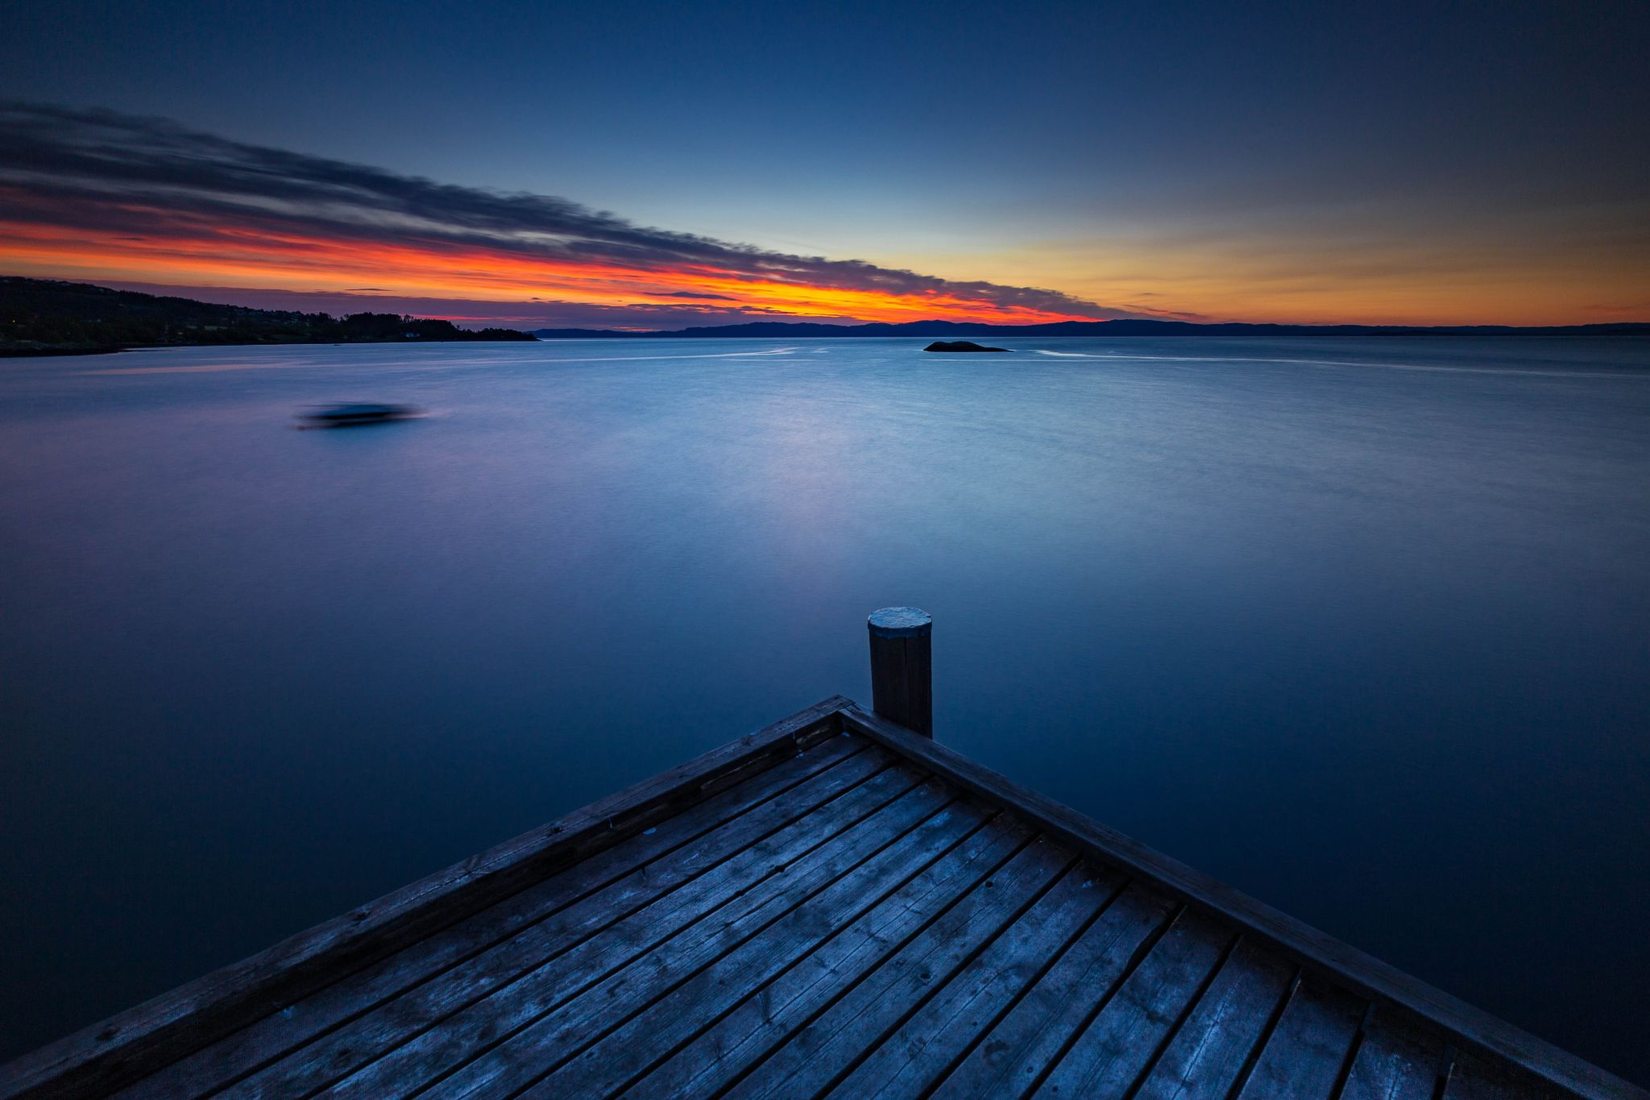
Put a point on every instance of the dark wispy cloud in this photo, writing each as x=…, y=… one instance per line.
x=108, y=175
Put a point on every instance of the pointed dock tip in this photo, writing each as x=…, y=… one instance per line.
x=900, y=622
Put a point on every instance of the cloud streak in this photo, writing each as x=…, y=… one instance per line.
x=538, y=313
x=141, y=199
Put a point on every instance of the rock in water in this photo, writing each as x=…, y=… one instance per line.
x=959, y=345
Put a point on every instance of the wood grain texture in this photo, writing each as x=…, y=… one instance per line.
x=655, y=900
x=1398, y=1058
x=1354, y=970
x=424, y=1037
x=814, y=900
x=1119, y=1043
x=580, y=899
x=1208, y=1051
x=709, y=994
x=829, y=1045
x=105, y=1056
x=1306, y=1051
x=766, y=1016
x=1015, y=1053
x=945, y=1025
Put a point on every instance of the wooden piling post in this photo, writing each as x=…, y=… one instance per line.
x=902, y=687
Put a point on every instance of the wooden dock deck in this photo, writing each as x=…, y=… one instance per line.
x=833, y=906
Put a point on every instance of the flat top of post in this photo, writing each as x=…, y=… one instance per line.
x=900, y=622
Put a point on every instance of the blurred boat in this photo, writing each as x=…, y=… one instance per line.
x=352, y=416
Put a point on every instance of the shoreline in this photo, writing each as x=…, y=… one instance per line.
x=22, y=351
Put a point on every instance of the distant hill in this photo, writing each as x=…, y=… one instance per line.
x=47, y=317
x=928, y=329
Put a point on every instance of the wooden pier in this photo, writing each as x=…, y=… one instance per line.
x=834, y=905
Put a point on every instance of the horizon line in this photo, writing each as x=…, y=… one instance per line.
x=1119, y=322
x=847, y=327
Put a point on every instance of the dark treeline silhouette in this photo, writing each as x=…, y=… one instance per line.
x=42, y=316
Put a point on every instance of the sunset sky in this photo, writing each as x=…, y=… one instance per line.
x=653, y=165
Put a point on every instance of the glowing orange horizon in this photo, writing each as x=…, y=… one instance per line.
x=230, y=254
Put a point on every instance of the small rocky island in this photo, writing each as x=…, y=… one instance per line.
x=959, y=345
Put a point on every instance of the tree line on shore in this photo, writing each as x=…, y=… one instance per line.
x=42, y=316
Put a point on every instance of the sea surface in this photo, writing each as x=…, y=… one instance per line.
x=1359, y=626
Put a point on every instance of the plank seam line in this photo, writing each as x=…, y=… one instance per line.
x=934, y=990
x=1119, y=885
x=836, y=998
x=1351, y=1055
x=1139, y=955
x=965, y=888
x=918, y=780
x=913, y=781
x=1264, y=1037
x=954, y=799
x=1353, y=970
x=1185, y=1014
x=561, y=950
x=150, y=1038
x=720, y=822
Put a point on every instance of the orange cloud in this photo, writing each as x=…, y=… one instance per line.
x=100, y=195
x=249, y=257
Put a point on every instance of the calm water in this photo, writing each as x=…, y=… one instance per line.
x=1361, y=627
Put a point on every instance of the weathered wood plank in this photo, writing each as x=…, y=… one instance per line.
x=1010, y=1058
x=1119, y=1043
x=768, y=1014
x=1306, y=1051
x=601, y=1069
x=1209, y=1050
x=507, y=1044
x=829, y=1044
x=944, y=1027
x=1398, y=1058
x=568, y=958
x=1360, y=973
x=132, y=1044
x=586, y=896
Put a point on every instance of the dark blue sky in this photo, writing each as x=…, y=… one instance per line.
x=1270, y=161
